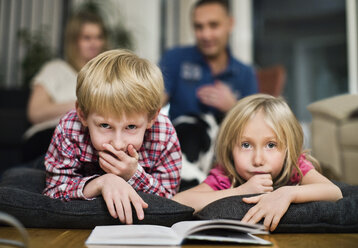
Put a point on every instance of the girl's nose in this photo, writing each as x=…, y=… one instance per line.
x=258, y=158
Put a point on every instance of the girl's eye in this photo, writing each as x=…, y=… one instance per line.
x=105, y=125
x=271, y=145
x=131, y=127
x=245, y=145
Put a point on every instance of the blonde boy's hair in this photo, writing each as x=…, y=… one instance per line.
x=279, y=117
x=118, y=82
x=73, y=32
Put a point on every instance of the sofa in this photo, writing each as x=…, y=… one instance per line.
x=334, y=136
x=13, y=124
x=21, y=196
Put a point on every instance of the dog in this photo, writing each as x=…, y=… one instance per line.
x=196, y=134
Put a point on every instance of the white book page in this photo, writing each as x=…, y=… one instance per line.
x=221, y=230
x=241, y=238
x=185, y=228
x=133, y=235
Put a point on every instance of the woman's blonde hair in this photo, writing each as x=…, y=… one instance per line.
x=118, y=82
x=279, y=117
x=72, y=34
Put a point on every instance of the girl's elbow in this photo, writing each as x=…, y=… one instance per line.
x=178, y=198
x=338, y=193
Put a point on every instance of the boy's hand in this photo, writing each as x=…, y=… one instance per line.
x=119, y=162
x=271, y=206
x=119, y=195
x=261, y=183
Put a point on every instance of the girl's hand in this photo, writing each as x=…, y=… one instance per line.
x=271, y=206
x=261, y=183
x=119, y=162
x=119, y=195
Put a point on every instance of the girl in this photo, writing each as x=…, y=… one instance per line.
x=259, y=150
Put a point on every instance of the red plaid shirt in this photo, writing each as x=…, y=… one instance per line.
x=71, y=160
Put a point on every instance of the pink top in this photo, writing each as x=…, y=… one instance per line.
x=217, y=179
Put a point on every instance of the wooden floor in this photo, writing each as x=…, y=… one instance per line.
x=63, y=238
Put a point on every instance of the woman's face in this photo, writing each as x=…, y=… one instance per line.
x=90, y=42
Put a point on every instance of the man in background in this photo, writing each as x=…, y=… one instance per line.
x=206, y=77
x=202, y=83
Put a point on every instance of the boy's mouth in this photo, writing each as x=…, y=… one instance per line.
x=112, y=154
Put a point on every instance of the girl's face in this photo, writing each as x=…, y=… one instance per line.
x=257, y=151
x=90, y=42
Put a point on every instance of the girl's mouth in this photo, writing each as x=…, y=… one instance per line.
x=260, y=172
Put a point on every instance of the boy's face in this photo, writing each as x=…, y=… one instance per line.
x=118, y=132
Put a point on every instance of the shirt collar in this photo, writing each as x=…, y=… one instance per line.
x=88, y=152
x=199, y=57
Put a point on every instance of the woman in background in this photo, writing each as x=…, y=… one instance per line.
x=54, y=87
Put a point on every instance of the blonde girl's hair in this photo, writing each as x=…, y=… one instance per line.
x=118, y=82
x=72, y=34
x=279, y=117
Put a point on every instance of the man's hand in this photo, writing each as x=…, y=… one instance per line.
x=118, y=162
x=119, y=195
x=218, y=95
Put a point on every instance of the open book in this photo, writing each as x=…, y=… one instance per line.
x=218, y=230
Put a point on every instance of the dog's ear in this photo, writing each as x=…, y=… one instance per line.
x=205, y=139
x=190, y=140
x=193, y=134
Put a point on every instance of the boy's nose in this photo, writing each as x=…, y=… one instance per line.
x=118, y=144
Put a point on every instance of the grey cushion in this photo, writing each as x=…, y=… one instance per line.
x=20, y=196
x=312, y=217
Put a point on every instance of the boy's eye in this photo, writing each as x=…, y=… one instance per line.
x=131, y=127
x=271, y=145
x=105, y=125
x=245, y=145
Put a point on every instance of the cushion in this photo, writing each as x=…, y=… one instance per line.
x=338, y=107
x=311, y=217
x=20, y=196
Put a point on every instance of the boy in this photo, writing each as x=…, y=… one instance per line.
x=115, y=142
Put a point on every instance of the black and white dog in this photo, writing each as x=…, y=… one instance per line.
x=196, y=134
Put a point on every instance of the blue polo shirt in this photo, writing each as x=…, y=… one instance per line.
x=185, y=70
